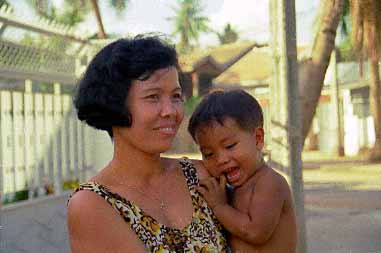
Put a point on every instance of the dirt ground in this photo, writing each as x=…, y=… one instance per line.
x=343, y=206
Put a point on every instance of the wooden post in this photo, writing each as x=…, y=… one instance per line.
x=285, y=99
x=56, y=138
x=335, y=98
x=29, y=143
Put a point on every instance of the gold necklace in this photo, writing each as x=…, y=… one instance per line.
x=162, y=203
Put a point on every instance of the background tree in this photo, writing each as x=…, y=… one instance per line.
x=229, y=35
x=344, y=43
x=366, y=25
x=366, y=39
x=313, y=70
x=2, y=2
x=75, y=11
x=189, y=23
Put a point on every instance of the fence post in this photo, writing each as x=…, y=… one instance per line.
x=57, y=117
x=39, y=140
x=66, y=102
x=29, y=146
x=48, y=179
x=18, y=141
x=6, y=144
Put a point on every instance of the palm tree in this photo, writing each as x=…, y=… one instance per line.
x=75, y=11
x=229, y=35
x=2, y=2
x=189, y=22
x=344, y=44
x=366, y=23
x=313, y=70
x=366, y=39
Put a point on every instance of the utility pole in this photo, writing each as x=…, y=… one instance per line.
x=286, y=123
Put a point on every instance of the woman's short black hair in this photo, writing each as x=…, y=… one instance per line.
x=219, y=105
x=101, y=94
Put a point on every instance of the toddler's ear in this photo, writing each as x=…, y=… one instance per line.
x=259, y=137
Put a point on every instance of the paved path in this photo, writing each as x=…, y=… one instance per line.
x=343, y=221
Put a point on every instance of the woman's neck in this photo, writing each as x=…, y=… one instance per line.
x=137, y=165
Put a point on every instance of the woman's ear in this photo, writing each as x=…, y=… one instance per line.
x=259, y=137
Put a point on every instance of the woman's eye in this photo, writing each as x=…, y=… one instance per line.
x=231, y=146
x=153, y=96
x=178, y=97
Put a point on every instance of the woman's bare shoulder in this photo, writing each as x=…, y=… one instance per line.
x=83, y=199
x=200, y=168
x=95, y=227
x=87, y=212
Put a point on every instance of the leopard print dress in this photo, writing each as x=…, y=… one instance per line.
x=203, y=234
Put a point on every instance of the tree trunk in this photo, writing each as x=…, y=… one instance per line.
x=375, y=107
x=313, y=71
x=101, y=29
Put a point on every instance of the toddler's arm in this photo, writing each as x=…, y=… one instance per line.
x=256, y=226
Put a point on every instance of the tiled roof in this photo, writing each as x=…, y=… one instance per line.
x=252, y=69
x=256, y=65
x=219, y=55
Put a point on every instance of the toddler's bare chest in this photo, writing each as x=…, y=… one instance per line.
x=241, y=200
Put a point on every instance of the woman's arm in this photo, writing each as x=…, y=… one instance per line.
x=96, y=227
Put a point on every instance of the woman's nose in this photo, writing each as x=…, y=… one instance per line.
x=168, y=108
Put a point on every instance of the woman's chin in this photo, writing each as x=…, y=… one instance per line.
x=164, y=147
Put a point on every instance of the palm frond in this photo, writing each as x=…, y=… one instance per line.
x=189, y=22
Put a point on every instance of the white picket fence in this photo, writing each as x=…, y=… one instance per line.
x=42, y=144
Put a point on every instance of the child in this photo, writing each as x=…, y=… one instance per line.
x=228, y=127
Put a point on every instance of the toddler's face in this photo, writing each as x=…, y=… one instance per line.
x=228, y=149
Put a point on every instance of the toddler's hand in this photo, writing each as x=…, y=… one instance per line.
x=213, y=191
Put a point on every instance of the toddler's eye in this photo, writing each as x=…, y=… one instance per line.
x=207, y=155
x=231, y=146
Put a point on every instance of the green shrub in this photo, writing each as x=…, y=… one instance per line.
x=191, y=104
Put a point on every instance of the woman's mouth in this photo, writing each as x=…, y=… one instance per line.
x=167, y=130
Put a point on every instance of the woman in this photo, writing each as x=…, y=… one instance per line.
x=140, y=201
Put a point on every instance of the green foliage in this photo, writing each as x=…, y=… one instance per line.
x=191, y=104
x=189, y=23
x=229, y=35
x=346, y=50
x=18, y=196
x=72, y=12
x=2, y=2
x=344, y=25
x=21, y=195
x=39, y=41
x=119, y=5
x=345, y=46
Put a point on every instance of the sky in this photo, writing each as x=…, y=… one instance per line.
x=249, y=17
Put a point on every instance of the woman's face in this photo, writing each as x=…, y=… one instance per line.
x=156, y=107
